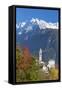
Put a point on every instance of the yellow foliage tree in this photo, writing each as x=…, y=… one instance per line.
x=53, y=73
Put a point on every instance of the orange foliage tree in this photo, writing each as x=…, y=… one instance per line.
x=26, y=60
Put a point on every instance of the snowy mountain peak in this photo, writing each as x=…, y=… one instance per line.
x=43, y=24
x=35, y=22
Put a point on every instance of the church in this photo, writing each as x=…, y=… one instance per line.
x=51, y=62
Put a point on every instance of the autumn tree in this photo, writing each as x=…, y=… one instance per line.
x=26, y=60
x=18, y=56
x=53, y=73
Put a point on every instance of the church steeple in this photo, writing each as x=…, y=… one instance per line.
x=40, y=55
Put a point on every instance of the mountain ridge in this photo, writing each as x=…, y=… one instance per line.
x=34, y=38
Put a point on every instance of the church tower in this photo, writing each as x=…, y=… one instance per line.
x=40, y=55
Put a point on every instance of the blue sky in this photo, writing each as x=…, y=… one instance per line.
x=24, y=14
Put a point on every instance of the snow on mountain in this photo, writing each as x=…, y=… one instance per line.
x=23, y=24
x=20, y=33
x=29, y=28
x=20, y=25
x=43, y=24
x=33, y=24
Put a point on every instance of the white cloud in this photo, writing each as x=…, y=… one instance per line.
x=43, y=24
